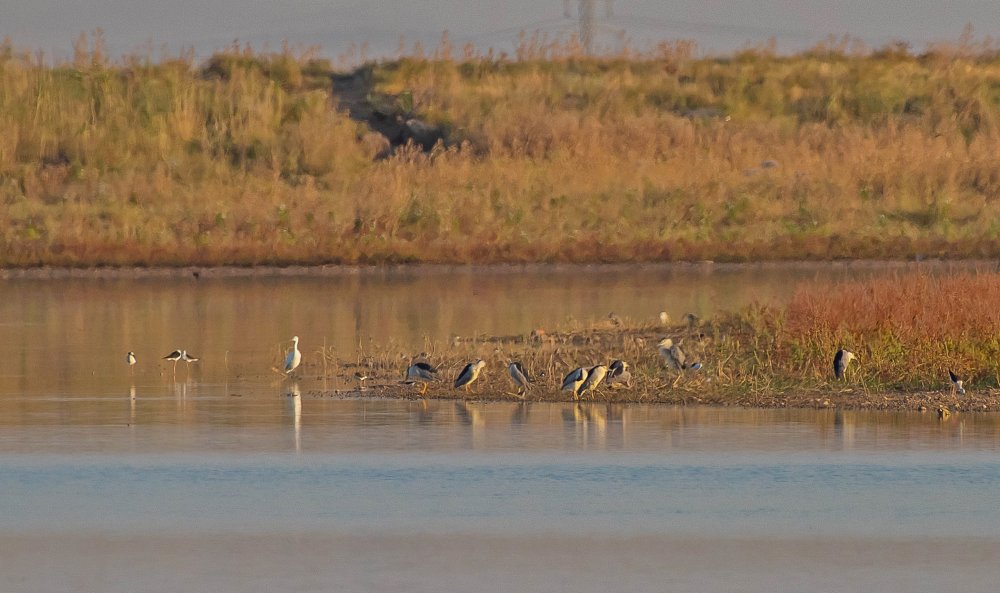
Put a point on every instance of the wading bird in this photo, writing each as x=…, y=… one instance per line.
x=188, y=358
x=574, y=380
x=618, y=375
x=421, y=372
x=294, y=357
x=175, y=356
x=840, y=360
x=956, y=383
x=469, y=374
x=519, y=377
x=594, y=377
x=671, y=353
x=130, y=359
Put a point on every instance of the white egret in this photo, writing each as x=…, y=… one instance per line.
x=294, y=357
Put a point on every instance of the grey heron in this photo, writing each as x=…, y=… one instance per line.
x=956, y=383
x=421, y=372
x=840, y=361
x=519, y=377
x=469, y=374
x=618, y=374
x=294, y=357
x=130, y=359
x=574, y=380
x=594, y=377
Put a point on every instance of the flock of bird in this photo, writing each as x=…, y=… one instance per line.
x=579, y=381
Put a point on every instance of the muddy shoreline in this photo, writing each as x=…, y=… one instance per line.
x=319, y=271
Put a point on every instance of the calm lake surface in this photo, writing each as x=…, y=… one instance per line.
x=221, y=480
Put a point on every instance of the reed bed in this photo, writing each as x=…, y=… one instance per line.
x=907, y=332
x=550, y=156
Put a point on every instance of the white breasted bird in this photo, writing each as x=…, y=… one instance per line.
x=130, y=359
x=840, y=362
x=294, y=357
x=956, y=383
x=618, y=375
x=469, y=374
x=421, y=372
x=574, y=380
x=519, y=377
x=594, y=377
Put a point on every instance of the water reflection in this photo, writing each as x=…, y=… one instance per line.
x=237, y=325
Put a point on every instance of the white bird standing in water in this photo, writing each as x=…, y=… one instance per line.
x=294, y=357
x=956, y=383
x=130, y=359
x=840, y=361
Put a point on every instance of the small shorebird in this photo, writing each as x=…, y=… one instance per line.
x=175, y=356
x=594, y=377
x=956, y=383
x=618, y=375
x=188, y=358
x=130, y=359
x=840, y=361
x=293, y=358
x=421, y=372
x=519, y=377
x=469, y=374
x=574, y=380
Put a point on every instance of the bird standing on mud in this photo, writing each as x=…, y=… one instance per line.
x=421, y=372
x=293, y=358
x=840, y=361
x=956, y=383
x=519, y=377
x=469, y=374
x=618, y=375
x=574, y=380
x=671, y=353
x=594, y=377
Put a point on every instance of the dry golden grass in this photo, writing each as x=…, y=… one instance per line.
x=555, y=157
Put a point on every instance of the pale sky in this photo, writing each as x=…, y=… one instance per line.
x=334, y=25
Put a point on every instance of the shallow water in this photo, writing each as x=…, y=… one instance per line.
x=70, y=336
x=221, y=481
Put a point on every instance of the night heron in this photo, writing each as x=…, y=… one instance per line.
x=130, y=359
x=956, y=383
x=618, y=375
x=469, y=374
x=421, y=372
x=840, y=361
x=293, y=358
x=594, y=377
x=519, y=377
x=671, y=353
x=574, y=380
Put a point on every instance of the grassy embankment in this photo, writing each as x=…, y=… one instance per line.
x=907, y=333
x=555, y=157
